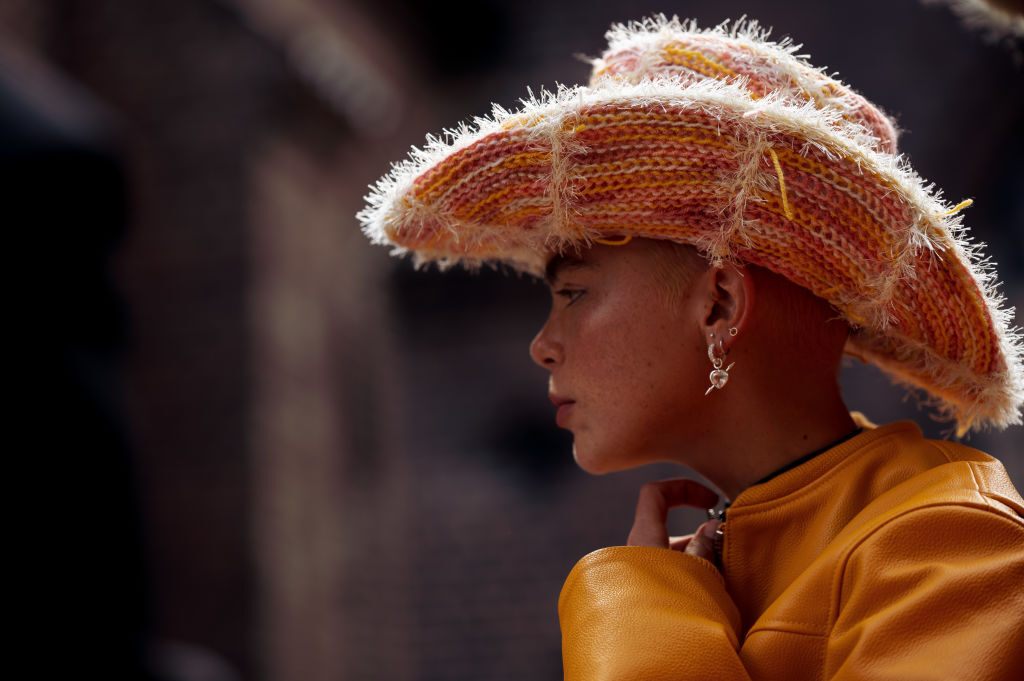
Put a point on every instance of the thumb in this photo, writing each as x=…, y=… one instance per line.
x=703, y=543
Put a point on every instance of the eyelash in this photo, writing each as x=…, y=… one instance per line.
x=570, y=294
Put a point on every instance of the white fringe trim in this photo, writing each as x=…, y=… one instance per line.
x=548, y=115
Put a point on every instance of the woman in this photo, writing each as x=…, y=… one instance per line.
x=719, y=222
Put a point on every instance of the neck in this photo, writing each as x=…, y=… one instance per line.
x=760, y=431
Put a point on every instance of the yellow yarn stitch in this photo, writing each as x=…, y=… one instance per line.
x=959, y=207
x=782, y=184
x=614, y=242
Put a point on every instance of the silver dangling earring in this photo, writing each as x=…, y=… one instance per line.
x=718, y=376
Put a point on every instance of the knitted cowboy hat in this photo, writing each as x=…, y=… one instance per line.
x=724, y=140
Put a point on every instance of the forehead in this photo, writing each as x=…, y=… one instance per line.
x=561, y=263
x=638, y=256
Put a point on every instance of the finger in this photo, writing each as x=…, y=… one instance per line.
x=656, y=498
x=703, y=543
x=679, y=543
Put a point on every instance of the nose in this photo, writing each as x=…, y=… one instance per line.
x=545, y=349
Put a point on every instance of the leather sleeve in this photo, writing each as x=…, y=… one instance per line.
x=937, y=593
x=647, y=614
x=934, y=594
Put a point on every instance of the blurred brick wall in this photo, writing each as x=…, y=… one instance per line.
x=251, y=399
x=349, y=468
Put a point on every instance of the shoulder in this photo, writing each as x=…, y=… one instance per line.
x=962, y=516
x=939, y=582
x=947, y=507
x=912, y=471
x=963, y=476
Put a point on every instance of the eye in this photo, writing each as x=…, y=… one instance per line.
x=571, y=295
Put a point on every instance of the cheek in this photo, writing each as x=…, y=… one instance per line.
x=646, y=363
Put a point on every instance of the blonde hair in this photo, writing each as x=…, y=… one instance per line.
x=675, y=266
x=802, y=320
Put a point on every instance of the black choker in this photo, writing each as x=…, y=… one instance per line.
x=807, y=457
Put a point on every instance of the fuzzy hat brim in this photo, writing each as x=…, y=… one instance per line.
x=796, y=187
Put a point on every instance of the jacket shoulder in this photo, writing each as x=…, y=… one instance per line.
x=968, y=476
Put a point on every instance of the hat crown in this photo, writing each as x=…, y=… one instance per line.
x=734, y=144
x=667, y=49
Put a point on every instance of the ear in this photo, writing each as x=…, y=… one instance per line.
x=729, y=300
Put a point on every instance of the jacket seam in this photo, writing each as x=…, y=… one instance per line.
x=842, y=563
x=780, y=625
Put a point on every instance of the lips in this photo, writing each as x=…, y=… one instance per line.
x=564, y=405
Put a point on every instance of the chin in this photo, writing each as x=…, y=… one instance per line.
x=593, y=461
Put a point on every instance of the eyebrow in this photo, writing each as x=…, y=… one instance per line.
x=560, y=263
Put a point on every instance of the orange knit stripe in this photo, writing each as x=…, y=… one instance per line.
x=621, y=186
x=695, y=61
x=446, y=170
x=515, y=217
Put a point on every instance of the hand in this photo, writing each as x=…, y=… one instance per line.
x=649, y=525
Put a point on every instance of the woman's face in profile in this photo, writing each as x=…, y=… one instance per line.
x=628, y=362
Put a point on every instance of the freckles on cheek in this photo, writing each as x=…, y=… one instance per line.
x=629, y=340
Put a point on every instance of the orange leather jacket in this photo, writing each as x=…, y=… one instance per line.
x=886, y=557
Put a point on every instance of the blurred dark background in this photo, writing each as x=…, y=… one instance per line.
x=257, y=447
